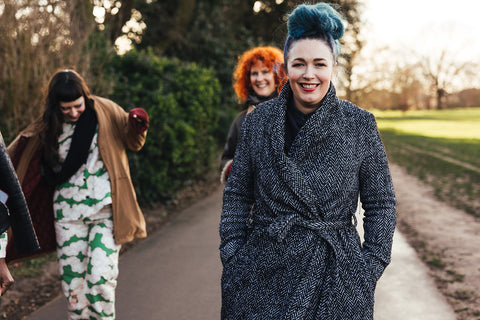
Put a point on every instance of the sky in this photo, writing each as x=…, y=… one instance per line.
x=425, y=25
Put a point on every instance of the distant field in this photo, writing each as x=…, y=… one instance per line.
x=441, y=148
x=450, y=124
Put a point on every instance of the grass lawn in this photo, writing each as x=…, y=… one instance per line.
x=441, y=148
x=449, y=124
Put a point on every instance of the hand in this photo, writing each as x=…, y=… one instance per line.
x=6, y=279
x=138, y=120
x=227, y=174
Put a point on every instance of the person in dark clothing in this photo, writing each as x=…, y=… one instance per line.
x=258, y=77
x=289, y=244
x=14, y=214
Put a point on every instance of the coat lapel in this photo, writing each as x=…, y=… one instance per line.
x=312, y=145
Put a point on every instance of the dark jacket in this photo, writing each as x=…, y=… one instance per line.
x=232, y=138
x=234, y=132
x=298, y=255
x=15, y=214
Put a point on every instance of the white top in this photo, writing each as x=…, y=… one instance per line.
x=88, y=190
x=3, y=245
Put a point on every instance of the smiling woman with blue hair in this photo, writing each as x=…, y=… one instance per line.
x=303, y=160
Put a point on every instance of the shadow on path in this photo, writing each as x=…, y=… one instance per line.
x=175, y=275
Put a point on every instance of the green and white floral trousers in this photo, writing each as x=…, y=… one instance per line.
x=88, y=261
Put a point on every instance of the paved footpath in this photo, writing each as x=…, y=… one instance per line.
x=175, y=275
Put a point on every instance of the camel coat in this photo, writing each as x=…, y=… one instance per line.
x=115, y=135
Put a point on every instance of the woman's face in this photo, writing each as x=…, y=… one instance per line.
x=72, y=110
x=310, y=67
x=262, y=79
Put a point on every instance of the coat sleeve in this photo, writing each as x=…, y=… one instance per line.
x=132, y=132
x=15, y=214
x=136, y=131
x=232, y=139
x=378, y=201
x=237, y=199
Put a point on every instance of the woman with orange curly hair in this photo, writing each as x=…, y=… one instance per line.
x=258, y=77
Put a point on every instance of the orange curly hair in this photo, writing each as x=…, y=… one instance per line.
x=272, y=58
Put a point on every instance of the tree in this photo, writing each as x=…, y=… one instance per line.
x=213, y=33
x=407, y=86
x=113, y=15
x=468, y=98
x=39, y=37
x=448, y=63
x=171, y=25
x=352, y=42
x=442, y=74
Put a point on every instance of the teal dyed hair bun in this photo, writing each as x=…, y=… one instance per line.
x=313, y=20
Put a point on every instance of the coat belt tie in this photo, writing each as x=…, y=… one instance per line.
x=278, y=227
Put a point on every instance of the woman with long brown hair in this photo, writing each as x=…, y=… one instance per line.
x=74, y=169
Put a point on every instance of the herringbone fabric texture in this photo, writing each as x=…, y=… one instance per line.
x=296, y=254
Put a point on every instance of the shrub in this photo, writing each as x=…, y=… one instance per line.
x=182, y=101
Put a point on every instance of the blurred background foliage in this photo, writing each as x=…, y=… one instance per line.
x=182, y=101
x=175, y=59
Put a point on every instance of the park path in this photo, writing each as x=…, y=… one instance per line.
x=175, y=275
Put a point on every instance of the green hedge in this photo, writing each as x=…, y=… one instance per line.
x=182, y=101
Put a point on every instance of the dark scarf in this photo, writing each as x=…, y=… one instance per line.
x=77, y=154
x=294, y=122
x=254, y=99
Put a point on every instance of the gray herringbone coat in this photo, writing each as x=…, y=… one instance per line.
x=296, y=254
